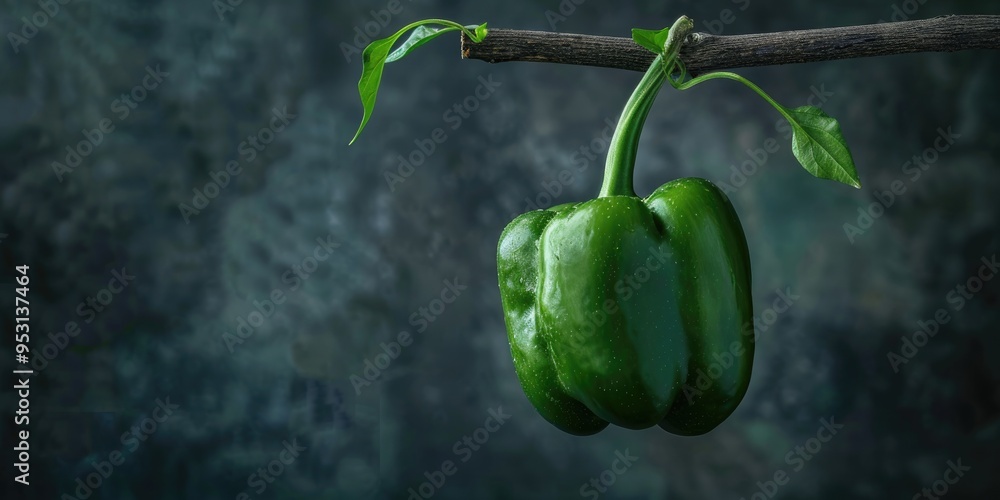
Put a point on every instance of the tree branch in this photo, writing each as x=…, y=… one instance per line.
x=703, y=52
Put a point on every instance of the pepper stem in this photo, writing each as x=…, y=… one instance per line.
x=620, y=165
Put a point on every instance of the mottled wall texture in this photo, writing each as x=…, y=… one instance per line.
x=227, y=301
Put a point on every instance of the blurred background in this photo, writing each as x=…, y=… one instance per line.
x=227, y=301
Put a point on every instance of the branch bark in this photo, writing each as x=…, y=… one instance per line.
x=703, y=52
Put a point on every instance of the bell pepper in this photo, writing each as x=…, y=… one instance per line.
x=628, y=310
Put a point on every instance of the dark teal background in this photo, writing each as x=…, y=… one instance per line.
x=171, y=333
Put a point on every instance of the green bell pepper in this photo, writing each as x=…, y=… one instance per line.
x=626, y=310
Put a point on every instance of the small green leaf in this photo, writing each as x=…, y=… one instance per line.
x=376, y=54
x=653, y=40
x=820, y=147
x=481, y=32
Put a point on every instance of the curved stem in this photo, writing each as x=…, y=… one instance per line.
x=620, y=164
x=733, y=76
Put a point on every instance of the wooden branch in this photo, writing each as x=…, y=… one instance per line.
x=703, y=52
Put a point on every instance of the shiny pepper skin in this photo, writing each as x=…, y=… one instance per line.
x=615, y=306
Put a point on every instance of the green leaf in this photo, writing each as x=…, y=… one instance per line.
x=820, y=147
x=371, y=76
x=817, y=141
x=653, y=40
x=481, y=32
x=376, y=54
x=423, y=34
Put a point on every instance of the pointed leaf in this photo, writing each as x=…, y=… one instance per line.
x=373, y=58
x=376, y=54
x=481, y=32
x=820, y=147
x=653, y=40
